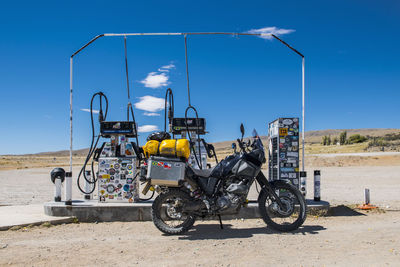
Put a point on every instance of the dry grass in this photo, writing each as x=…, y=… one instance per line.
x=320, y=149
x=36, y=161
x=223, y=149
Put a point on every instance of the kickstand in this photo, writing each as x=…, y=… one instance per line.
x=220, y=222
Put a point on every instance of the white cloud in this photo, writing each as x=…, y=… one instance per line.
x=150, y=103
x=158, y=78
x=166, y=68
x=88, y=110
x=155, y=80
x=270, y=30
x=147, y=128
x=151, y=114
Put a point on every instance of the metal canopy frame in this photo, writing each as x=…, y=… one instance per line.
x=68, y=180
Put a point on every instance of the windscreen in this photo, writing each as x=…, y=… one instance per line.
x=257, y=140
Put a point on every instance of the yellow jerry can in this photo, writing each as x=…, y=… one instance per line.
x=151, y=148
x=175, y=148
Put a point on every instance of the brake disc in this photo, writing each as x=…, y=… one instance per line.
x=286, y=211
x=171, y=210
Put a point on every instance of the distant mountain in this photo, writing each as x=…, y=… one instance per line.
x=313, y=137
x=64, y=153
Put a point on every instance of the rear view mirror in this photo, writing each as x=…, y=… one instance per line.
x=234, y=147
x=242, y=129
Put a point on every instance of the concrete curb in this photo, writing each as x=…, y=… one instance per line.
x=55, y=221
x=93, y=211
x=25, y=215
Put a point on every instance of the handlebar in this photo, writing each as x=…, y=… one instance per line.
x=244, y=145
x=241, y=145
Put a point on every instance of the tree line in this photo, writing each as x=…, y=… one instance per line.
x=327, y=140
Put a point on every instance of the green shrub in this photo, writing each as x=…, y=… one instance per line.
x=335, y=140
x=377, y=142
x=343, y=138
x=356, y=138
x=392, y=137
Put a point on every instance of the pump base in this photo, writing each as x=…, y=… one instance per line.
x=93, y=211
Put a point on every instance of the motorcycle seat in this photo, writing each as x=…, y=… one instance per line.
x=205, y=173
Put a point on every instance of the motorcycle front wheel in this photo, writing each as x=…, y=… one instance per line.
x=288, y=217
x=167, y=212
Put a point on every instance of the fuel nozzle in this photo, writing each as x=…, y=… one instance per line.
x=101, y=117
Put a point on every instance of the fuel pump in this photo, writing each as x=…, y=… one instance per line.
x=118, y=158
x=118, y=161
x=192, y=129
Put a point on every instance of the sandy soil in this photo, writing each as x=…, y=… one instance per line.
x=30, y=186
x=359, y=240
x=346, y=239
x=345, y=185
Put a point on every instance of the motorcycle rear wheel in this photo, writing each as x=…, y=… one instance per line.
x=166, y=212
x=287, y=218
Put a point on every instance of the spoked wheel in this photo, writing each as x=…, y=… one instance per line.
x=290, y=215
x=167, y=212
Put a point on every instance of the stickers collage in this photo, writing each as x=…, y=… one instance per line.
x=116, y=180
x=289, y=149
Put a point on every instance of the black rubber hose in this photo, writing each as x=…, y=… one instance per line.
x=134, y=124
x=93, y=143
x=200, y=164
x=168, y=96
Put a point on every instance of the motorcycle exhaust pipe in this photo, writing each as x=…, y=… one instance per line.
x=194, y=206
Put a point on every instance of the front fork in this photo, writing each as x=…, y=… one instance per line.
x=265, y=185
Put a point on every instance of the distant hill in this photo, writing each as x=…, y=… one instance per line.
x=313, y=148
x=63, y=153
x=315, y=137
x=312, y=137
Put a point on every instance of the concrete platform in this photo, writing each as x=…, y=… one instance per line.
x=93, y=211
x=24, y=215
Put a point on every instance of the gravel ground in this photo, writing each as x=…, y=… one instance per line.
x=346, y=239
x=362, y=154
x=354, y=240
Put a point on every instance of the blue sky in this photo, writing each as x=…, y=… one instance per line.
x=351, y=49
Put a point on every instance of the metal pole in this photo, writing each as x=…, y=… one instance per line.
x=69, y=186
x=367, y=197
x=187, y=69
x=68, y=178
x=302, y=106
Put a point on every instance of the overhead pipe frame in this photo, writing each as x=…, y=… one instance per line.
x=68, y=178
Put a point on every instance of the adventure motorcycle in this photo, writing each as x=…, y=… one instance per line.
x=223, y=190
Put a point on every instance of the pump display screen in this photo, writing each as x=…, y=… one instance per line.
x=108, y=128
x=193, y=124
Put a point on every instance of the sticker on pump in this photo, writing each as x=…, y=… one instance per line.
x=287, y=121
x=283, y=131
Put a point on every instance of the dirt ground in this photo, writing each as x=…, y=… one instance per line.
x=345, y=238
x=352, y=240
